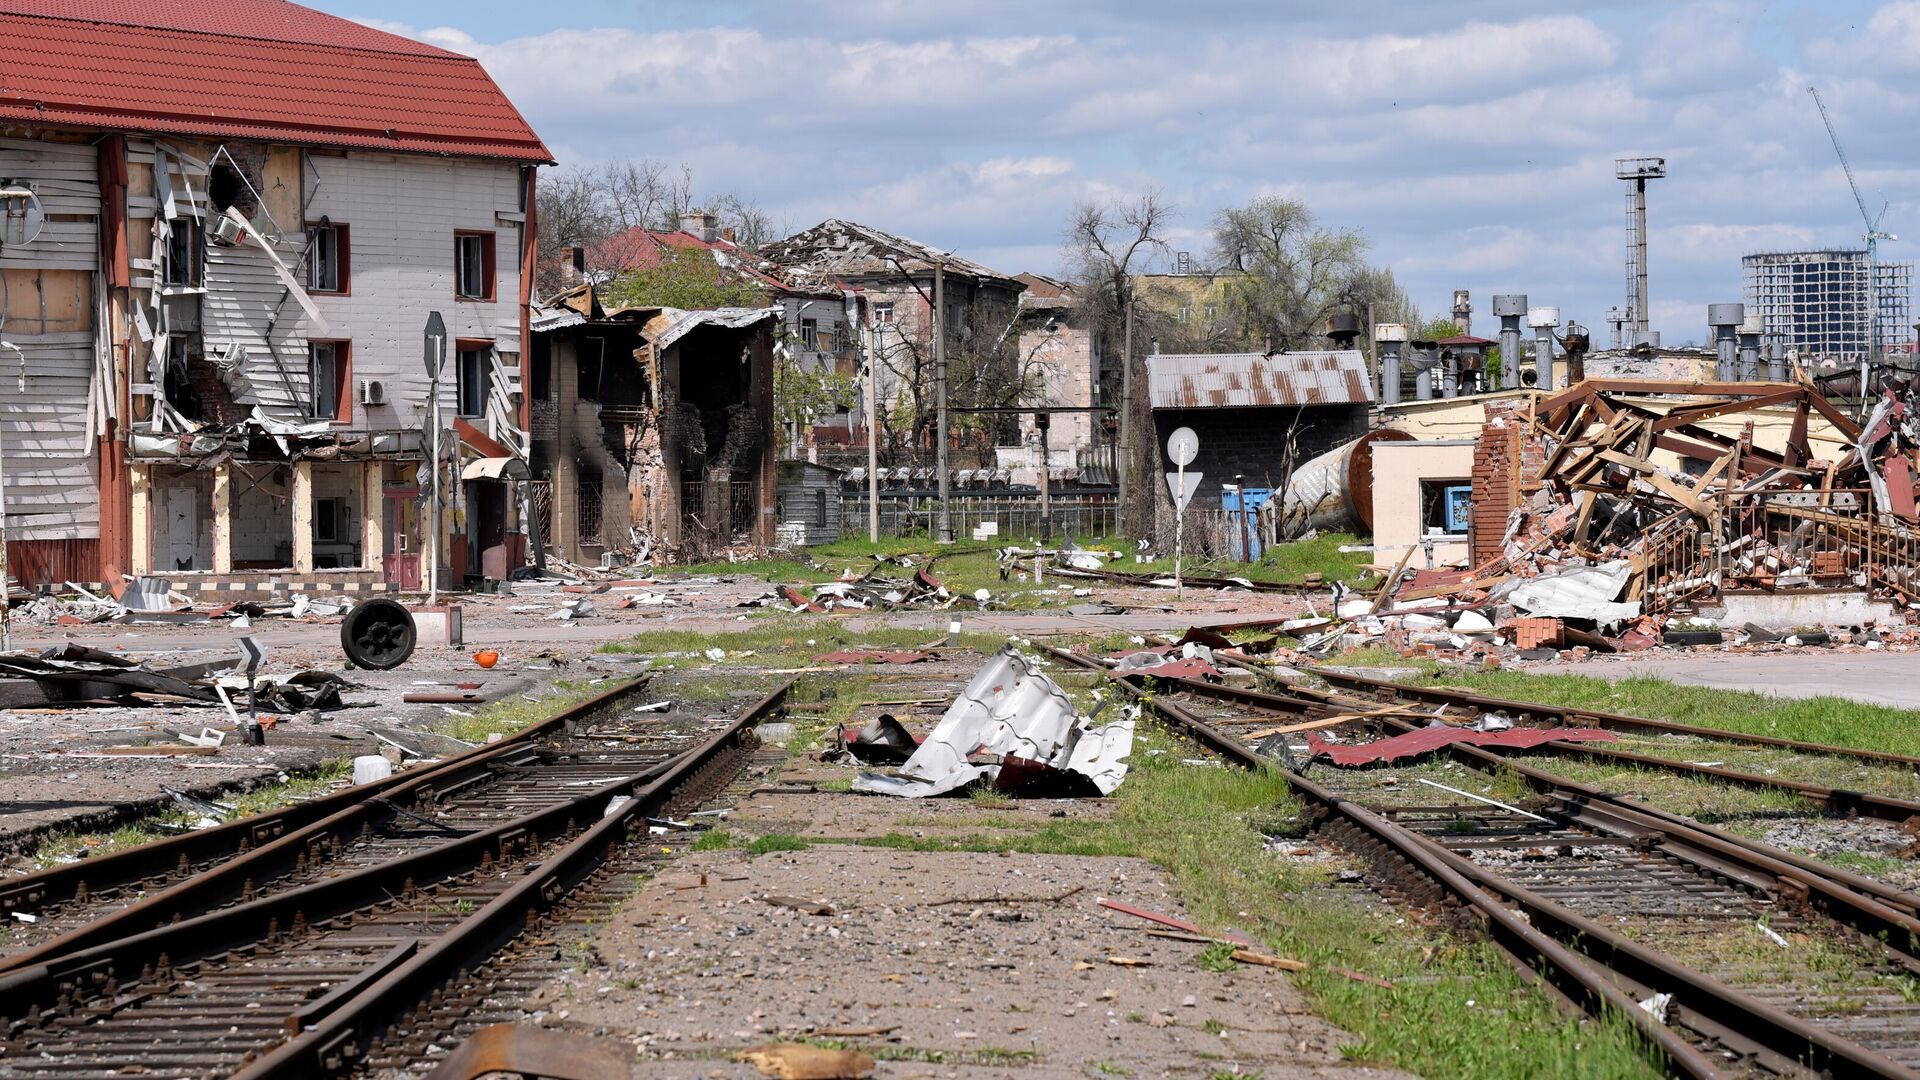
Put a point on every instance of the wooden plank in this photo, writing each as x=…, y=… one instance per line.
x=1693, y=415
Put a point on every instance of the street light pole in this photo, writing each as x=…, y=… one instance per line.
x=436, y=360
x=873, y=435
x=945, y=533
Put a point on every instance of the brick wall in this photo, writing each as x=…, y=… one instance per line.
x=1505, y=463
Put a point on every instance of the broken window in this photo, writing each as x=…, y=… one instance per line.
x=227, y=187
x=1446, y=507
x=327, y=369
x=473, y=266
x=476, y=379
x=328, y=518
x=327, y=257
x=810, y=334
x=588, y=507
x=178, y=384
x=186, y=254
x=883, y=314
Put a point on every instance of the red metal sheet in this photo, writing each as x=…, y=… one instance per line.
x=1899, y=474
x=1428, y=739
x=250, y=69
x=1191, y=668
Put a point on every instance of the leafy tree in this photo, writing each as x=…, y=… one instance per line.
x=686, y=278
x=1438, y=328
x=1292, y=273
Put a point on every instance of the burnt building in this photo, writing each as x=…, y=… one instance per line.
x=1258, y=415
x=652, y=432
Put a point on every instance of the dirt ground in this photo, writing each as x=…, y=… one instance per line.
x=939, y=964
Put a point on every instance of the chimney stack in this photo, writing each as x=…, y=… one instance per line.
x=1391, y=338
x=701, y=223
x=1543, y=320
x=574, y=270
x=1511, y=307
x=1751, y=328
x=1342, y=330
x=1462, y=311
x=1725, y=319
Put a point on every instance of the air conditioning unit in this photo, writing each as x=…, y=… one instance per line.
x=226, y=231
x=373, y=391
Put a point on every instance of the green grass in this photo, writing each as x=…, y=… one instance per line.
x=1832, y=720
x=777, y=842
x=1287, y=564
x=509, y=715
x=713, y=840
x=785, y=641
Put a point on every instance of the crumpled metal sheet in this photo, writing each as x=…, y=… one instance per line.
x=1585, y=593
x=1440, y=736
x=1010, y=709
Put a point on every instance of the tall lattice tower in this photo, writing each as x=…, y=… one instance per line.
x=1632, y=325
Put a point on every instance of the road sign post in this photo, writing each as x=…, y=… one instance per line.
x=435, y=359
x=1182, y=447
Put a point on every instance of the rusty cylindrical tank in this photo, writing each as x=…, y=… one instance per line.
x=1334, y=492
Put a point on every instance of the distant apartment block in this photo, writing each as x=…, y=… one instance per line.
x=1816, y=302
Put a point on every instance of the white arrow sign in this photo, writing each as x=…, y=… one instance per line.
x=1182, y=485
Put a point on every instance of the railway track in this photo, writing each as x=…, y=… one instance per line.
x=1752, y=961
x=373, y=948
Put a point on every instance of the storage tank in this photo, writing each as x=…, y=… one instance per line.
x=1334, y=492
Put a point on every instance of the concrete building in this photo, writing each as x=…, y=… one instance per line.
x=221, y=321
x=1064, y=355
x=1258, y=415
x=1816, y=303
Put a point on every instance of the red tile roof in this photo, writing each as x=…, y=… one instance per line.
x=249, y=69
x=638, y=247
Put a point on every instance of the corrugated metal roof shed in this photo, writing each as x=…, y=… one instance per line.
x=1258, y=380
x=249, y=69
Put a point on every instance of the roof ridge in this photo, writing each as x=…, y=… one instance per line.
x=424, y=51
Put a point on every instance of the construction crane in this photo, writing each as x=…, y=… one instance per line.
x=1873, y=237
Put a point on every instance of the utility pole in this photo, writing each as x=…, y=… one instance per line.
x=6, y=590
x=436, y=359
x=945, y=532
x=1044, y=420
x=873, y=435
x=1126, y=415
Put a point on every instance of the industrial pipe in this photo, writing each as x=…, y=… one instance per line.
x=1725, y=319
x=1543, y=320
x=1511, y=307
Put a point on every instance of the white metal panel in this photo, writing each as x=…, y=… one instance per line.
x=246, y=304
x=53, y=486
x=402, y=213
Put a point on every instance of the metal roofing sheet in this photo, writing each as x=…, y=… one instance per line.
x=1258, y=380
x=272, y=71
x=684, y=322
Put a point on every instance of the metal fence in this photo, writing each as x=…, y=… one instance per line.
x=1018, y=517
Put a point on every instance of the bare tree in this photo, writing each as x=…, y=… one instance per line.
x=1290, y=270
x=1106, y=245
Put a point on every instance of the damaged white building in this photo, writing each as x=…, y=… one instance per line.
x=220, y=257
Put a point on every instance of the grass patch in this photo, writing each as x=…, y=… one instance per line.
x=777, y=842
x=1832, y=720
x=1286, y=564
x=713, y=840
x=509, y=715
x=784, y=641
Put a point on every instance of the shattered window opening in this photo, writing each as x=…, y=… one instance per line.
x=327, y=258
x=1446, y=507
x=473, y=266
x=810, y=334
x=588, y=508
x=186, y=254
x=883, y=314
x=177, y=385
x=476, y=377
x=326, y=376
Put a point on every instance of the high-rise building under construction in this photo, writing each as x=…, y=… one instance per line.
x=1815, y=302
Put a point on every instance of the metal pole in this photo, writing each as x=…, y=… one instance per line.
x=1873, y=320
x=945, y=532
x=1179, y=532
x=1045, y=421
x=433, y=391
x=1640, y=320
x=873, y=437
x=1125, y=449
x=1240, y=511
x=6, y=590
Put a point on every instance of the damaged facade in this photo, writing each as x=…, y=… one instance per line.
x=653, y=431
x=220, y=324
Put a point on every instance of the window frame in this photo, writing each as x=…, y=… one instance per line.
x=342, y=257
x=882, y=313
x=483, y=347
x=488, y=267
x=810, y=334
x=194, y=233
x=342, y=379
x=1433, y=495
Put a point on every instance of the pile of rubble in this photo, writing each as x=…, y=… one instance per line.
x=1608, y=546
x=876, y=589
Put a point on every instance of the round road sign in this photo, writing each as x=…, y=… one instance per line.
x=1183, y=446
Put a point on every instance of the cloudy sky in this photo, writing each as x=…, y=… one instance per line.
x=1472, y=141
